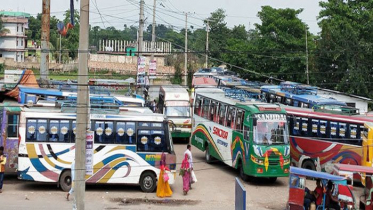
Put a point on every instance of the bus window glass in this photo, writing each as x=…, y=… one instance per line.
x=271, y=132
x=222, y=114
x=315, y=125
x=323, y=128
x=212, y=109
x=205, y=108
x=12, y=130
x=296, y=124
x=342, y=130
x=305, y=105
x=304, y=126
x=333, y=129
x=177, y=111
x=246, y=133
x=31, y=130
x=143, y=140
x=353, y=131
x=197, y=108
x=54, y=128
x=230, y=116
x=42, y=131
x=363, y=131
x=73, y=131
x=239, y=116
x=158, y=143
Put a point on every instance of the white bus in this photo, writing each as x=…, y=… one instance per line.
x=127, y=148
x=174, y=103
x=131, y=101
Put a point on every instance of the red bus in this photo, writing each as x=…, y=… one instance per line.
x=319, y=139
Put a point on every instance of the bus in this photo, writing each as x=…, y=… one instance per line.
x=318, y=139
x=367, y=158
x=127, y=148
x=174, y=103
x=305, y=96
x=131, y=100
x=248, y=135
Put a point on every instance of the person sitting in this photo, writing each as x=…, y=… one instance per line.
x=331, y=201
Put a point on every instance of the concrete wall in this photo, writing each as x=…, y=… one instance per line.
x=362, y=105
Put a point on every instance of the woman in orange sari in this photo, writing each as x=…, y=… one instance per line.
x=163, y=188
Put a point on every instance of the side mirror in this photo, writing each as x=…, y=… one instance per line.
x=172, y=124
x=255, y=121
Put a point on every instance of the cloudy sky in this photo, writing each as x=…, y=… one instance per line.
x=105, y=13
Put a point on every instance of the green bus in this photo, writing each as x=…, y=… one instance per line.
x=248, y=135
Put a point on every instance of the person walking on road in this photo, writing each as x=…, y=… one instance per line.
x=163, y=188
x=2, y=167
x=188, y=152
x=72, y=180
x=185, y=173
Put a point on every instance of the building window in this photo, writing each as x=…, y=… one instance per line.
x=22, y=43
x=22, y=28
x=17, y=43
x=17, y=28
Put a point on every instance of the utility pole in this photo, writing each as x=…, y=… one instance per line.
x=153, y=36
x=141, y=29
x=207, y=43
x=186, y=51
x=82, y=112
x=308, y=77
x=45, y=26
x=59, y=61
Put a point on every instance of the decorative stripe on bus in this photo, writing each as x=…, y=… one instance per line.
x=55, y=155
x=201, y=128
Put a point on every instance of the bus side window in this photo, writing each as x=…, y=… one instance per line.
x=229, y=116
x=31, y=130
x=158, y=143
x=205, y=108
x=322, y=129
x=295, y=103
x=246, y=131
x=239, y=118
x=54, y=128
x=333, y=129
x=73, y=131
x=222, y=114
x=143, y=140
x=315, y=128
x=13, y=123
x=212, y=109
x=42, y=134
x=198, y=105
x=296, y=126
x=304, y=127
x=353, y=134
x=216, y=112
x=342, y=130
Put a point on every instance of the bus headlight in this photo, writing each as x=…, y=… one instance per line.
x=256, y=160
x=286, y=161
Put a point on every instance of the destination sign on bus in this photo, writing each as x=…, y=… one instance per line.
x=270, y=117
x=221, y=133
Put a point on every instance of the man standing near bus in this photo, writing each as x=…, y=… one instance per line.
x=2, y=167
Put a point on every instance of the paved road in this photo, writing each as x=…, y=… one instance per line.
x=214, y=190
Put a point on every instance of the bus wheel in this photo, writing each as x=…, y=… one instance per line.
x=148, y=182
x=308, y=164
x=65, y=180
x=272, y=179
x=243, y=176
x=207, y=155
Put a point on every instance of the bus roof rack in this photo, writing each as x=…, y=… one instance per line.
x=239, y=94
x=297, y=88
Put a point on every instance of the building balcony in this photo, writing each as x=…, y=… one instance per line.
x=13, y=49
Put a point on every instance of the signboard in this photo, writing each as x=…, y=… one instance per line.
x=141, y=70
x=89, y=152
x=153, y=69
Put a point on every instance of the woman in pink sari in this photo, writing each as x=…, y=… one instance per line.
x=185, y=173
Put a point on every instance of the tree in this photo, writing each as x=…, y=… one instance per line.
x=279, y=48
x=71, y=41
x=344, y=49
x=3, y=30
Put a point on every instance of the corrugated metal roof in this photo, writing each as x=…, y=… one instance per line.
x=15, y=14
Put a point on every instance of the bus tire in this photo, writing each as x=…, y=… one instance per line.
x=65, y=181
x=208, y=156
x=272, y=179
x=148, y=182
x=243, y=176
x=308, y=164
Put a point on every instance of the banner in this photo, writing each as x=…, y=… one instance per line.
x=152, y=69
x=89, y=152
x=140, y=70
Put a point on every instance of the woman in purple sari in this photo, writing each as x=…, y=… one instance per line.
x=185, y=173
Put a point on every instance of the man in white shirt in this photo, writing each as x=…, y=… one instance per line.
x=189, y=153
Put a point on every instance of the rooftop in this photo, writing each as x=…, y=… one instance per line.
x=14, y=14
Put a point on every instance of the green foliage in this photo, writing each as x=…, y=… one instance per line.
x=2, y=68
x=345, y=46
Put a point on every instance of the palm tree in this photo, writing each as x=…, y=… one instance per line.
x=3, y=30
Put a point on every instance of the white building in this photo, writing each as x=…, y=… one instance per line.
x=13, y=44
x=351, y=100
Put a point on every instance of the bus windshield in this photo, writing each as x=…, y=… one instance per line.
x=271, y=132
x=178, y=111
